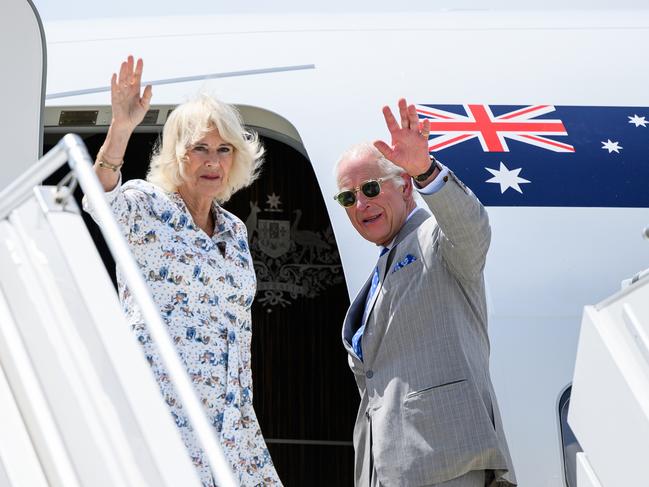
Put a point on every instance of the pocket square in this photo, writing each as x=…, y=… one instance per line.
x=408, y=259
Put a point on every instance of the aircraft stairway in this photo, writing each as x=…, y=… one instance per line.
x=80, y=406
x=609, y=404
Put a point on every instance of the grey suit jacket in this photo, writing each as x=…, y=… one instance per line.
x=428, y=410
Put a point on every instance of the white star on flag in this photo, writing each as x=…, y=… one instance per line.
x=612, y=146
x=638, y=121
x=273, y=201
x=506, y=178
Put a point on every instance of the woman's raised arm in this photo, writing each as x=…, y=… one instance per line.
x=129, y=109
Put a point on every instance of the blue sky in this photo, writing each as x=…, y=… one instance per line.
x=79, y=9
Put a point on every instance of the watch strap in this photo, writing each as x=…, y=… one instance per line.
x=424, y=176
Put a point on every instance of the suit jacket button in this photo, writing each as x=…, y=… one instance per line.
x=369, y=374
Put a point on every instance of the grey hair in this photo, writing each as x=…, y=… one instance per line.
x=388, y=169
x=188, y=123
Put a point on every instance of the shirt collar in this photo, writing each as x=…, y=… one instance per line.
x=389, y=246
x=223, y=222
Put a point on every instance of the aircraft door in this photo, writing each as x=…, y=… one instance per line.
x=304, y=394
x=22, y=87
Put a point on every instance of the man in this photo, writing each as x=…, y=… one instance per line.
x=416, y=334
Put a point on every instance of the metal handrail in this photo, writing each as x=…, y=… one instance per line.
x=72, y=149
x=21, y=189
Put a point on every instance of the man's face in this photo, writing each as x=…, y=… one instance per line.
x=380, y=218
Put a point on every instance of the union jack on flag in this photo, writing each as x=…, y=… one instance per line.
x=492, y=131
x=545, y=155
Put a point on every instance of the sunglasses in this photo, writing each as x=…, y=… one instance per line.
x=370, y=188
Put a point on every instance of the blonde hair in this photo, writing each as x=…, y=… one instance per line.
x=188, y=123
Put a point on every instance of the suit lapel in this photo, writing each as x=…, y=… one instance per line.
x=384, y=262
x=355, y=314
x=384, y=269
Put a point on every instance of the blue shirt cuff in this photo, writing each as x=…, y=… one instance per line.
x=437, y=183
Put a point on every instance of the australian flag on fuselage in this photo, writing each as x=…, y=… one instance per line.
x=545, y=155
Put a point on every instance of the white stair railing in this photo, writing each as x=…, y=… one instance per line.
x=609, y=404
x=77, y=373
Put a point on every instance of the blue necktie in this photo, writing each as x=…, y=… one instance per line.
x=356, y=339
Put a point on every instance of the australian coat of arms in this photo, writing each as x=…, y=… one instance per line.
x=290, y=262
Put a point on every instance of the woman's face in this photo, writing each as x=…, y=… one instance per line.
x=206, y=166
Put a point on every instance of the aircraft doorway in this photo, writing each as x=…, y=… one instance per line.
x=304, y=394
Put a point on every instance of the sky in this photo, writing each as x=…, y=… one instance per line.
x=51, y=10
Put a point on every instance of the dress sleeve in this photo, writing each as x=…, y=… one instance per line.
x=129, y=205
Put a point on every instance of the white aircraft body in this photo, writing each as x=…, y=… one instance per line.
x=566, y=230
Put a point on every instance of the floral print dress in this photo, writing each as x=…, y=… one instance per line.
x=204, y=287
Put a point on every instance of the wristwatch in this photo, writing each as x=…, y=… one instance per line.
x=424, y=176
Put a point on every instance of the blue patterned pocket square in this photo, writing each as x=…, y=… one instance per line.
x=408, y=259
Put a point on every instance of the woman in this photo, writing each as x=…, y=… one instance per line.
x=195, y=257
